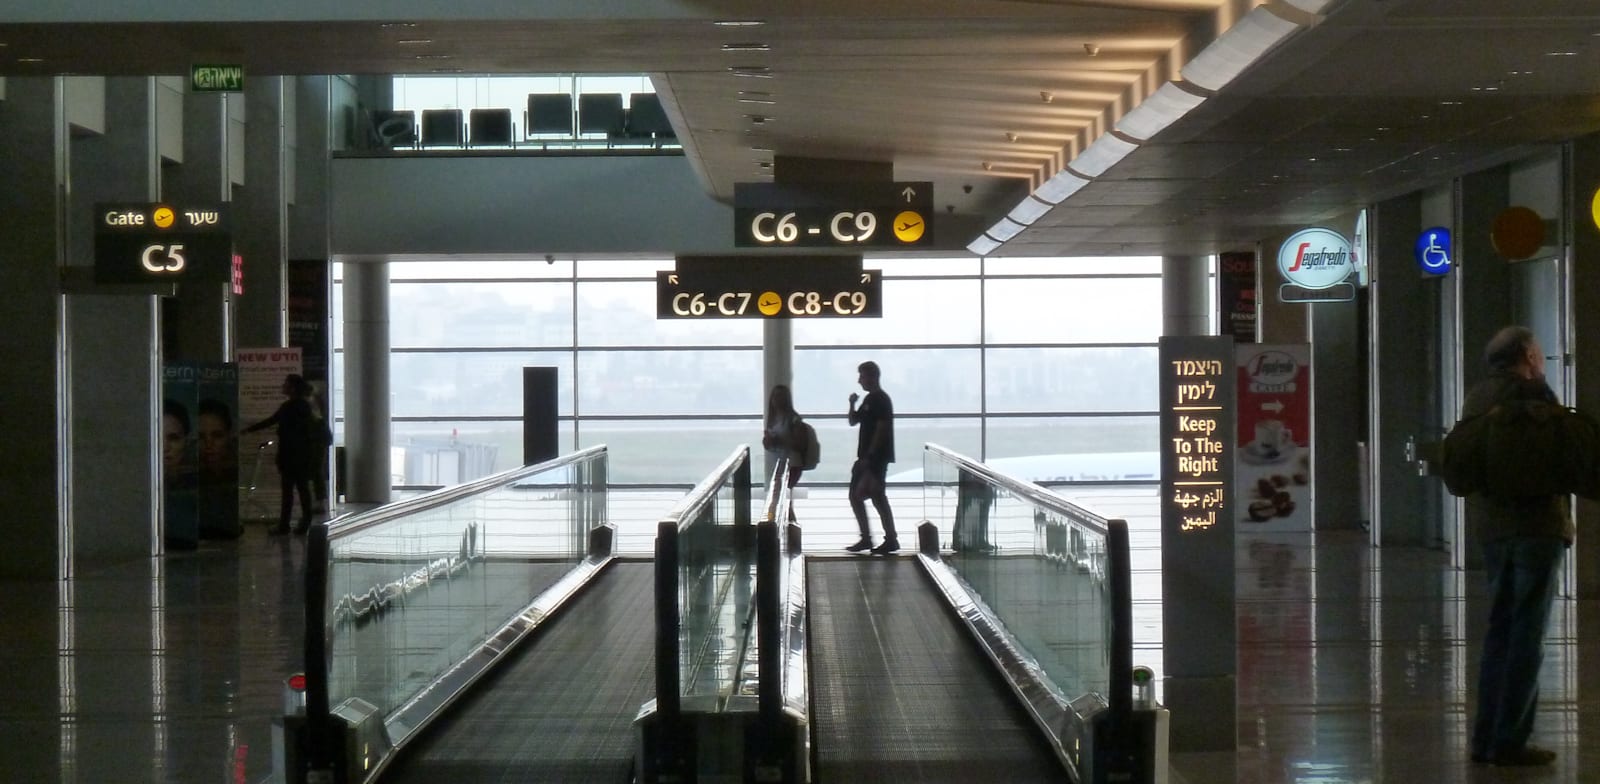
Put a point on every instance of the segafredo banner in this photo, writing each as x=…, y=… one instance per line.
x=1316, y=263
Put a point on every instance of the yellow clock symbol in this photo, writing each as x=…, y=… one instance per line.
x=908, y=226
x=162, y=216
x=769, y=303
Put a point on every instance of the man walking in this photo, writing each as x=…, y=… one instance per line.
x=1523, y=541
x=874, y=453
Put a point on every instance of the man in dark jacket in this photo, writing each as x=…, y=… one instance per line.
x=1523, y=542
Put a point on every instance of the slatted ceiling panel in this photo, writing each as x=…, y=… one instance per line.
x=933, y=86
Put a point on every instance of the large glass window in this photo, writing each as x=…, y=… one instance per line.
x=1036, y=362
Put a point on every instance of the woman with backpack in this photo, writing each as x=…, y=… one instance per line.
x=784, y=434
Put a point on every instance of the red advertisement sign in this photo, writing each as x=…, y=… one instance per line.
x=1273, y=454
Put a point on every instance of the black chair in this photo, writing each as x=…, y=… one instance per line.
x=647, y=120
x=601, y=113
x=442, y=128
x=393, y=127
x=487, y=127
x=548, y=114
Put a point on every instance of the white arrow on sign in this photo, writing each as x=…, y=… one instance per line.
x=1275, y=406
x=908, y=193
x=866, y=277
x=672, y=278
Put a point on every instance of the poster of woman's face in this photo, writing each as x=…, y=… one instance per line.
x=174, y=434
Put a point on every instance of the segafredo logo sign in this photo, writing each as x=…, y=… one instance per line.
x=1316, y=258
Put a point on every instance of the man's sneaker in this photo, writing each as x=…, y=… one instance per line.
x=888, y=546
x=1524, y=757
x=861, y=546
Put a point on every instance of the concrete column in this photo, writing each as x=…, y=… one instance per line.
x=1185, y=298
x=113, y=357
x=31, y=323
x=260, y=216
x=1338, y=410
x=197, y=322
x=777, y=361
x=1584, y=178
x=366, y=387
x=1404, y=322
x=31, y=465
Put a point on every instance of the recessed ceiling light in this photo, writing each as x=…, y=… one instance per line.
x=414, y=41
x=433, y=56
x=761, y=149
x=762, y=101
x=754, y=94
x=751, y=71
x=764, y=164
x=1560, y=54
x=1449, y=103
x=448, y=70
x=739, y=23
x=30, y=59
x=758, y=119
x=388, y=25
x=747, y=47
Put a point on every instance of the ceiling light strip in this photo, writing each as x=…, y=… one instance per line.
x=1239, y=47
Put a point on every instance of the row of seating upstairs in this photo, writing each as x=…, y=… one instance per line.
x=550, y=119
x=732, y=692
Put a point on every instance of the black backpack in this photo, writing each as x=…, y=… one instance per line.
x=1523, y=448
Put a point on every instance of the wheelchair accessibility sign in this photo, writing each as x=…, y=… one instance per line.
x=1434, y=254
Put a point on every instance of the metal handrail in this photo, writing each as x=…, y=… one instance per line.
x=356, y=523
x=689, y=507
x=1038, y=495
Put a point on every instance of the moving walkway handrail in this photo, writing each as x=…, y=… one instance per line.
x=782, y=698
x=352, y=524
x=1118, y=702
x=734, y=470
x=325, y=617
x=1026, y=490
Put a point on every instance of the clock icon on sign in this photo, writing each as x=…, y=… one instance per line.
x=908, y=226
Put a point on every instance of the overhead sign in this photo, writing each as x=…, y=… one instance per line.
x=162, y=243
x=216, y=78
x=769, y=287
x=833, y=215
x=1317, y=263
x=1434, y=252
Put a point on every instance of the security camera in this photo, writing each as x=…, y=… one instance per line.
x=950, y=208
x=1092, y=49
x=549, y=258
x=966, y=189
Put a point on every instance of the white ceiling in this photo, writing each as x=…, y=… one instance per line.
x=1377, y=98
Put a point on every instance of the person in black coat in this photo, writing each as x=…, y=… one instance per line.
x=296, y=427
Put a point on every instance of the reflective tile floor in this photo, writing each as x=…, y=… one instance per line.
x=1355, y=665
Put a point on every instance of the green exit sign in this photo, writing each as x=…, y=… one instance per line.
x=216, y=78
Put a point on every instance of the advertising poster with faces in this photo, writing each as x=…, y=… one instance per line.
x=1272, y=473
